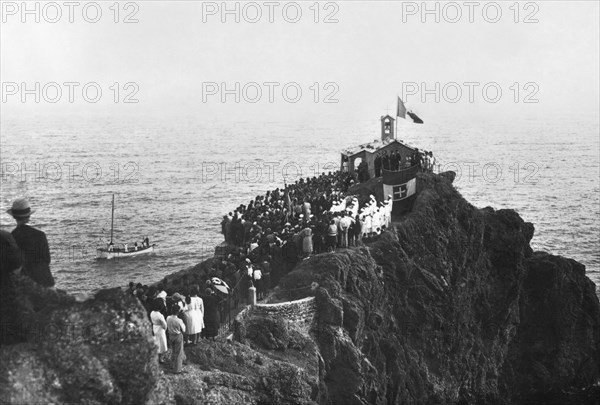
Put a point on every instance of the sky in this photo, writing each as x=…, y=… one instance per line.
x=335, y=60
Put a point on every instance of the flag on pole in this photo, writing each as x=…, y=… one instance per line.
x=415, y=118
x=401, y=112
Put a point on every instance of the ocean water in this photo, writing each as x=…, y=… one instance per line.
x=173, y=179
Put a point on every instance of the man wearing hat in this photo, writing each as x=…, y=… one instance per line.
x=33, y=245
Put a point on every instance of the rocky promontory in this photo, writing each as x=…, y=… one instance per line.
x=450, y=307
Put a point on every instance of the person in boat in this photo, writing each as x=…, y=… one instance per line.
x=125, y=248
x=147, y=241
x=110, y=247
x=32, y=243
x=135, y=246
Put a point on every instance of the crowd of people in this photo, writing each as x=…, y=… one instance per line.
x=273, y=232
x=393, y=160
x=179, y=320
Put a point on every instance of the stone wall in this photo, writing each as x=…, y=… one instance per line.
x=300, y=312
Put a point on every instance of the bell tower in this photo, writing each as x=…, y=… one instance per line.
x=387, y=127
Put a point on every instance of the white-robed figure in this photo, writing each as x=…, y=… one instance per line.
x=368, y=224
x=372, y=207
x=354, y=207
x=334, y=207
x=342, y=205
x=387, y=208
x=383, y=213
x=376, y=222
x=361, y=219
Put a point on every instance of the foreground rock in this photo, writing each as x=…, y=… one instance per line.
x=233, y=373
x=95, y=352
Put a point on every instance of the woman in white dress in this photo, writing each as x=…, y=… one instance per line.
x=159, y=328
x=194, y=316
x=186, y=316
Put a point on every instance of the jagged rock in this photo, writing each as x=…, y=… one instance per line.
x=268, y=333
x=456, y=309
x=226, y=373
x=556, y=345
x=331, y=311
x=99, y=351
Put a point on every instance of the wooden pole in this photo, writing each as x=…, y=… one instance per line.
x=396, y=123
x=112, y=219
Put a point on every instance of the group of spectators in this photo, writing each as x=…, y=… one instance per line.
x=267, y=237
x=179, y=320
x=394, y=161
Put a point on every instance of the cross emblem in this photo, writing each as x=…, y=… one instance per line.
x=399, y=192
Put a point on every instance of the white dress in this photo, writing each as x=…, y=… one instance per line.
x=159, y=326
x=194, y=316
x=367, y=225
x=376, y=222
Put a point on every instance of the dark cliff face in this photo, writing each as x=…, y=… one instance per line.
x=455, y=308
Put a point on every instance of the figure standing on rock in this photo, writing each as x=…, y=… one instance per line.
x=32, y=243
x=307, y=241
x=159, y=328
x=193, y=316
x=176, y=329
x=211, y=315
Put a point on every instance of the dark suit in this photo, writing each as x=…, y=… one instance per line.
x=36, y=254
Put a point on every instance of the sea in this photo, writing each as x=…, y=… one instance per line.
x=174, y=179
